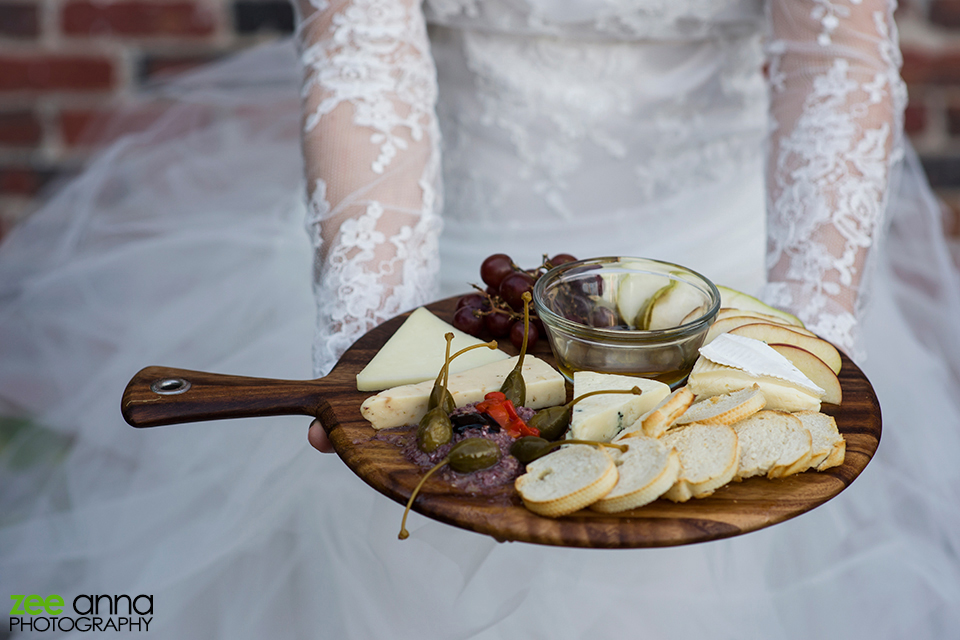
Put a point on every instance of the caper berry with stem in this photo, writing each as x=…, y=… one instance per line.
x=467, y=456
x=439, y=395
x=529, y=448
x=514, y=386
x=552, y=422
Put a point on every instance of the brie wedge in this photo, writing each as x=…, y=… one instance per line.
x=416, y=352
x=731, y=363
x=406, y=404
x=601, y=417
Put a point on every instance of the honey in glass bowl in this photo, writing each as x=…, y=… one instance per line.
x=629, y=316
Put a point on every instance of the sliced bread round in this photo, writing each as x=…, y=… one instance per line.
x=567, y=480
x=726, y=408
x=772, y=443
x=645, y=471
x=708, y=459
x=662, y=417
x=828, y=448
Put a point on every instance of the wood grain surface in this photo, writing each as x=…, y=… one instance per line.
x=735, y=509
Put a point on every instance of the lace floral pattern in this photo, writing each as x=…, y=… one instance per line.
x=831, y=161
x=371, y=145
x=564, y=109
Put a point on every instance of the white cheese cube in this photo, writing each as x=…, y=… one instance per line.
x=601, y=417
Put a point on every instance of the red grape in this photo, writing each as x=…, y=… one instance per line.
x=471, y=301
x=603, y=318
x=495, y=268
x=516, y=335
x=561, y=258
x=498, y=324
x=465, y=320
x=513, y=287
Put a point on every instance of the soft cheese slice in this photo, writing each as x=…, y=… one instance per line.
x=406, y=404
x=416, y=351
x=756, y=358
x=602, y=417
x=708, y=379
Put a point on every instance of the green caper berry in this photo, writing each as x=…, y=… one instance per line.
x=551, y=422
x=529, y=448
x=434, y=431
x=473, y=454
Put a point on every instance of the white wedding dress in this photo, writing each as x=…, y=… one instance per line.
x=436, y=135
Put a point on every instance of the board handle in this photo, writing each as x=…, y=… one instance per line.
x=158, y=396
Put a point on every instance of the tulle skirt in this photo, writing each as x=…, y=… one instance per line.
x=181, y=247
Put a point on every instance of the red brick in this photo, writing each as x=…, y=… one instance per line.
x=156, y=67
x=19, y=20
x=951, y=212
x=20, y=129
x=953, y=119
x=74, y=126
x=53, y=72
x=137, y=18
x=945, y=13
x=915, y=119
x=21, y=181
x=80, y=128
x=931, y=67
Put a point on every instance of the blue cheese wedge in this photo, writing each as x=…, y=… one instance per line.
x=731, y=363
x=406, y=404
x=416, y=352
x=601, y=417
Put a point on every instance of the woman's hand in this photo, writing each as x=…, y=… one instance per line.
x=317, y=437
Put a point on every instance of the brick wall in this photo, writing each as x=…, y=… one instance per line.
x=63, y=61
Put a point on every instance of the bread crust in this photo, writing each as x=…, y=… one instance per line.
x=690, y=443
x=623, y=496
x=592, y=488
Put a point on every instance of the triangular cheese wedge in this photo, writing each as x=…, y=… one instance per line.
x=416, y=351
x=756, y=358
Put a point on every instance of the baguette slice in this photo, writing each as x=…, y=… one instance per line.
x=567, y=480
x=645, y=471
x=708, y=459
x=657, y=421
x=774, y=443
x=829, y=448
x=726, y=408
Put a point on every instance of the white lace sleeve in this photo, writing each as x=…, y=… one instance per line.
x=837, y=104
x=372, y=163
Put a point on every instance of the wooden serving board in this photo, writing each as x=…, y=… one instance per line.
x=735, y=509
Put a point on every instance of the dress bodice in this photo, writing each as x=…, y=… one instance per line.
x=600, y=19
x=552, y=127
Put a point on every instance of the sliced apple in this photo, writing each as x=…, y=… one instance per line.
x=814, y=368
x=671, y=305
x=779, y=334
x=634, y=292
x=726, y=312
x=731, y=298
x=724, y=325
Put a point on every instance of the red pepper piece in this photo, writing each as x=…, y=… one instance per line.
x=502, y=410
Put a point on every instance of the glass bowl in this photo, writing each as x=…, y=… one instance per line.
x=630, y=316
